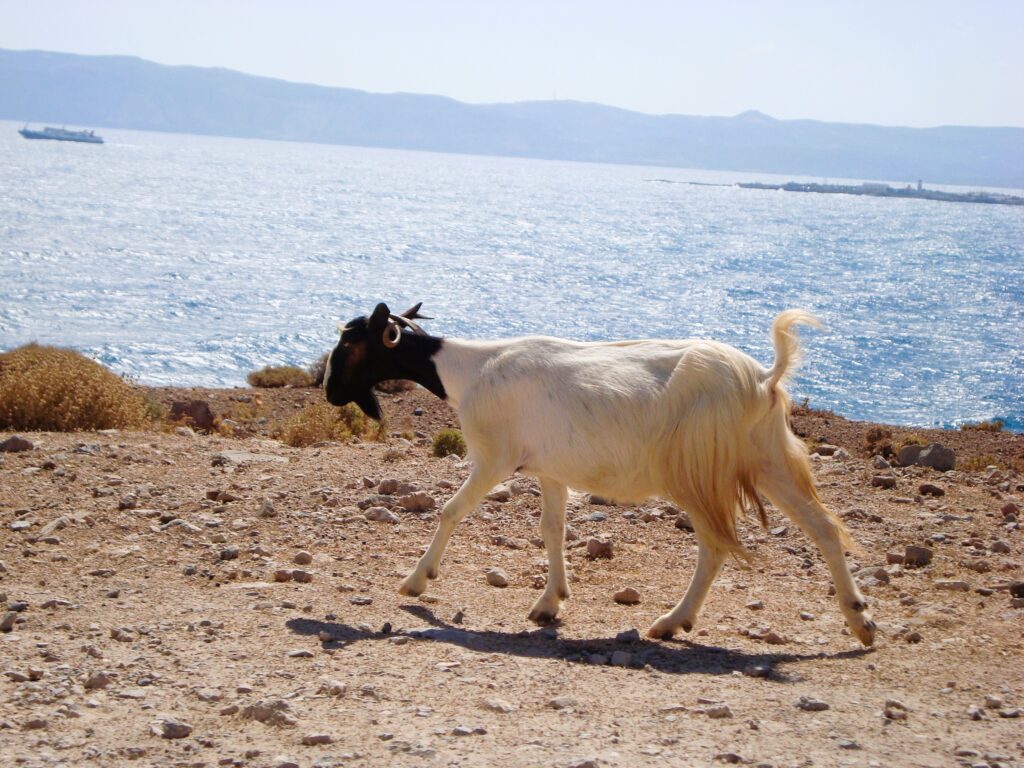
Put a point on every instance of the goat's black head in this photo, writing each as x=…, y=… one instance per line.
x=370, y=351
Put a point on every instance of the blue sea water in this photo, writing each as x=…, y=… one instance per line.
x=194, y=260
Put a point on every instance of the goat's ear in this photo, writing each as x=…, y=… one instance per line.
x=381, y=315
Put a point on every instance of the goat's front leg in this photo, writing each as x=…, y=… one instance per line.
x=684, y=615
x=552, y=530
x=479, y=482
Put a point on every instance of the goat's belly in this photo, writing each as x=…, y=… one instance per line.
x=615, y=480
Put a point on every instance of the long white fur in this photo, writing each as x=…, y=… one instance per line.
x=694, y=421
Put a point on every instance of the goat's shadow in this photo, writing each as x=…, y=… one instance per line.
x=674, y=657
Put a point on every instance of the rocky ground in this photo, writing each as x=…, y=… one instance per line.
x=200, y=600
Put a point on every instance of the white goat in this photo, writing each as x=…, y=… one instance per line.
x=697, y=422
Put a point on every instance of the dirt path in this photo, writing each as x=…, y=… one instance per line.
x=143, y=598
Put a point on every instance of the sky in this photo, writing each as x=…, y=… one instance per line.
x=899, y=62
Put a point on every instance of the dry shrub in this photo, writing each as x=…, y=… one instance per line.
x=394, y=386
x=60, y=390
x=992, y=425
x=878, y=440
x=279, y=376
x=449, y=441
x=318, y=422
x=978, y=463
x=317, y=369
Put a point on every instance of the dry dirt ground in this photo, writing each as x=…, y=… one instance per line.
x=147, y=627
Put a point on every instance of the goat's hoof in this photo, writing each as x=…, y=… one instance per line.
x=662, y=630
x=543, y=617
x=413, y=586
x=864, y=630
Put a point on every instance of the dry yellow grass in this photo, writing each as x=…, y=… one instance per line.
x=318, y=422
x=280, y=376
x=60, y=390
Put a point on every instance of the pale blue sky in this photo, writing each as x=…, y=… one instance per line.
x=901, y=62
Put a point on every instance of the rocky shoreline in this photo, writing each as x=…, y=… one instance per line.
x=176, y=597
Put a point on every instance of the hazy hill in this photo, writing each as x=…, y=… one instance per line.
x=127, y=92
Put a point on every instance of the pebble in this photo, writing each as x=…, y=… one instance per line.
x=1017, y=589
x=170, y=728
x=916, y=557
x=301, y=576
x=16, y=444
x=810, y=704
x=299, y=653
x=417, y=502
x=628, y=636
x=465, y=730
x=501, y=493
x=879, y=462
x=271, y=711
x=930, y=489
x=267, y=509
x=7, y=622
x=34, y=724
x=97, y=680
x=883, y=481
x=719, y=711
x=563, y=702
x=496, y=577
x=314, y=739
x=952, y=585
x=895, y=710
x=622, y=659
x=302, y=558
x=683, y=522
x=361, y=600
x=627, y=596
x=755, y=605
x=229, y=553
x=381, y=515
x=498, y=705
x=599, y=548
x=283, y=574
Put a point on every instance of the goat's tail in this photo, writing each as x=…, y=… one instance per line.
x=787, y=345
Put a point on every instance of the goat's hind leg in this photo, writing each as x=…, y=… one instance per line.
x=458, y=506
x=552, y=530
x=791, y=491
x=684, y=615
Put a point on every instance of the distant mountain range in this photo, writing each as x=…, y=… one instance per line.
x=127, y=92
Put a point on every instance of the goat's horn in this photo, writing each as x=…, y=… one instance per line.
x=392, y=335
x=408, y=324
x=413, y=313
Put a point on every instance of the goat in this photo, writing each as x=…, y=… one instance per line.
x=697, y=422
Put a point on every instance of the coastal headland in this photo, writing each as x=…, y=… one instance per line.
x=180, y=597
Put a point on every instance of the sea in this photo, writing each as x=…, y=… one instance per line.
x=193, y=260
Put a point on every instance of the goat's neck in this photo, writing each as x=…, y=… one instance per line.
x=459, y=362
x=416, y=362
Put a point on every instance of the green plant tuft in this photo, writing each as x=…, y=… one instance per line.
x=449, y=441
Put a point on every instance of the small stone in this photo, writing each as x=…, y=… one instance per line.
x=314, y=739
x=916, y=557
x=627, y=596
x=930, y=489
x=501, y=493
x=498, y=705
x=755, y=605
x=719, y=711
x=806, y=615
x=621, y=658
x=301, y=576
x=34, y=724
x=417, y=502
x=599, y=548
x=883, y=481
x=563, y=702
x=1010, y=713
x=283, y=574
x=975, y=713
x=810, y=704
x=848, y=744
x=628, y=636
x=879, y=462
x=496, y=577
x=1017, y=589
x=302, y=558
x=97, y=680
x=7, y=622
x=361, y=600
x=993, y=701
x=824, y=449
x=895, y=710
x=170, y=728
x=381, y=515
x=894, y=558
x=229, y=553
x=267, y=509
x=952, y=585
x=999, y=547
x=16, y=444
x=683, y=522
x=299, y=653
x=1009, y=508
